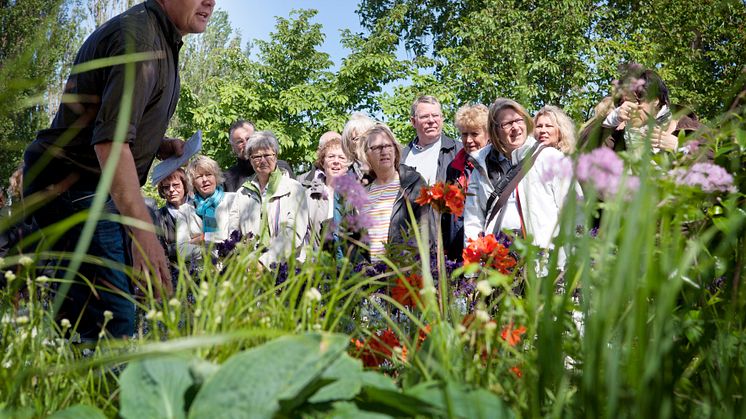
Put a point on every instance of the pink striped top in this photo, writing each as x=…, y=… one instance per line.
x=379, y=207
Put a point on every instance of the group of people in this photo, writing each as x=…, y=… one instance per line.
x=260, y=198
x=498, y=161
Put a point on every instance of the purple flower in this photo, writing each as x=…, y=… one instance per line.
x=558, y=166
x=602, y=169
x=351, y=190
x=706, y=176
x=225, y=247
x=357, y=222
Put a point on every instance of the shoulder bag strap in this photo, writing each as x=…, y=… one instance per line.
x=515, y=176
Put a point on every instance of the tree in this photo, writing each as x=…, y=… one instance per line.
x=290, y=88
x=34, y=38
x=566, y=52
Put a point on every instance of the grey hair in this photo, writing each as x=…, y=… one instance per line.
x=206, y=164
x=423, y=99
x=240, y=123
x=356, y=126
x=259, y=141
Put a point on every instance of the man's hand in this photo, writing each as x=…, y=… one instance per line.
x=626, y=111
x=170, y=147
x=125, y=191
x=149, y=259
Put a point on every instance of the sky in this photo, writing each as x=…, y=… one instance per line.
x=256, y=19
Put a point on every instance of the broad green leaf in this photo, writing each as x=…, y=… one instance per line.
x=463, y=403
x=155, y=388
x=252, y=384
x=79, y=411
x=347, y=410
x=349, y=377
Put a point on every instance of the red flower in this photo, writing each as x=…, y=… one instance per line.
x=422, y=334
x=444, y=198
x=455, y=200
x=517, y=371
x=486, y=250
x=378, y=348
x=512, y=336
x=407, y=294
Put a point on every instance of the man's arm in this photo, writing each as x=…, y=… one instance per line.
x=125, y=191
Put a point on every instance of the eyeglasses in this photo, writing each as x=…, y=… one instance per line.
x=434, y=116
x=378, y=149
x=259, y=157
x=509, y=124
x=176, y=185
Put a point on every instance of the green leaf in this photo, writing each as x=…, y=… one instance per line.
x=252, y=384
x=155, y=388
x=348, y=379
x=346, y=410
x=456, y=401
x=79, y=411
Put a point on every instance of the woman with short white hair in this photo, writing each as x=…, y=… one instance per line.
x=277, y=212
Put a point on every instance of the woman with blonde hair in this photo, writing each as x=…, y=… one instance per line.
x=212, y=215
x=509, y=189
x=355, y=127
x=554, y=128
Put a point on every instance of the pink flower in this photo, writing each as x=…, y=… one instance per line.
x=351, y=190
x=709, y=177
x=557, y=167
x=603, y=170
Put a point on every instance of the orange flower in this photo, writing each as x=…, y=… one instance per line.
x=378, y=348
x=517, y=371
x=444, y=198
x=424, y=197
x=407, y=294
x=512, y=336
x=487, y=250
x=455, y=200
x=422, y=334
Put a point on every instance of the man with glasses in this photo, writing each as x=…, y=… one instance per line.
x=239, y=134
x=431, y=151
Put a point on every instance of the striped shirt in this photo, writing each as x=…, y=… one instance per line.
x=379, y=207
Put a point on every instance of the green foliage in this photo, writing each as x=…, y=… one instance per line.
x=566, y=52
x=35, y=39
x=155, y=388
x=289, y=88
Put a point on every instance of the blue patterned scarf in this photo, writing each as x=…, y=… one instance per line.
x=206, y=209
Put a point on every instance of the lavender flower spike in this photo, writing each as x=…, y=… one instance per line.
x=351, y=190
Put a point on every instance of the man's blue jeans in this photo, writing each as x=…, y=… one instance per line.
x=112, y=287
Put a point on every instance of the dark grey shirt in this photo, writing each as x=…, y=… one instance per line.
x=91, y=116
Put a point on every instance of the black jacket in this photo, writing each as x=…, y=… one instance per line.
x=448, y=150
x=411, y=185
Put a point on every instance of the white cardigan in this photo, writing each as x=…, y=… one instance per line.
x=540, y=201
x=287, y=216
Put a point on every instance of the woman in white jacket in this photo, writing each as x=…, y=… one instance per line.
x=212, y=215
x=534, y=205
x=277, y=211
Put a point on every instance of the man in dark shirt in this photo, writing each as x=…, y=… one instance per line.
x=238, y=134
x=128, y=96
